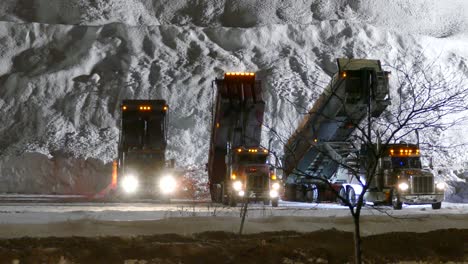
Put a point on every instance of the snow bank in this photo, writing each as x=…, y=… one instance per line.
x=431, y=17
x=61, y=85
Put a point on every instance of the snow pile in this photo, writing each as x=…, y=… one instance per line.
x=61, y=85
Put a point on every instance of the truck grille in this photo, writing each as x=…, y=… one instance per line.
x=423, y=184
x=257, y=182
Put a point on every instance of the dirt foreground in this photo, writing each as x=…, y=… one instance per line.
x=329, y=246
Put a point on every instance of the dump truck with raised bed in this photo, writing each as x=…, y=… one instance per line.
x=238, y=166
x=141, y=169
x=323, y=141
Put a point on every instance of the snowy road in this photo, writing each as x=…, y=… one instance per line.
x=28, y=218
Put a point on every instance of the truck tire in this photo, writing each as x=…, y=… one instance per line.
x=436, y=206
x=312, y=195
x=232, y=200
x=274, y=202
x=396, y=203
x=300, y=197
x=351, y=196
x=342, y=194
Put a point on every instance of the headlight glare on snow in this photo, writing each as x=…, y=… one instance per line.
x=275, y=186
x=167, y=184
x=440, y=185
x=403, y=186
x=237, y=185
x=129, y=184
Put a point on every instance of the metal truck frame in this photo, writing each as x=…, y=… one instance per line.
x=238, y=166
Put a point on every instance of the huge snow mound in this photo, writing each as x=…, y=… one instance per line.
x=61, y=85
x=431, y=17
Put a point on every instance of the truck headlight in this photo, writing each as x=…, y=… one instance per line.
x=275, y=186
x=273, y=194
x=241, y=193
x=403, y=186
x=237, y=185
x=167, y=184
x=440, y=185
x=129, y=184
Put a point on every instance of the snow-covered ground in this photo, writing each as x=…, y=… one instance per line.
x=130, y=219
x=66, y=65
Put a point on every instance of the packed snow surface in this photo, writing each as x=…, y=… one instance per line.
x=65, y=66
x=129, y=219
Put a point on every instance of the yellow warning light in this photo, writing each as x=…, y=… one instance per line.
x=233, y=176
x=242, y=73
x=410, y=151
x=315, y=140
x=273, y=177
x=343, y=74
x=165, y=108
x=417, y=151
x=265, y=150
x=124, y=107
x=391, y=151
x=217, y=125
x=252, y=74
x=239, y=150
x=141, y=107
x=401, y=151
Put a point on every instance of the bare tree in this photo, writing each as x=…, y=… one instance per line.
x=426, y=98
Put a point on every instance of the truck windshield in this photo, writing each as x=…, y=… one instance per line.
x=406, y=162
x=251, y=159
x=143, y=130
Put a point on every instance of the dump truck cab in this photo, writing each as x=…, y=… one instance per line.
x=400, y=179
x=252, y=176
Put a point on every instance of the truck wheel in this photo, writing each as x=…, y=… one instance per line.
x=312, y=195
x=232, y=201
x=351, y=196
x=342, y=194
x=300, y=197
x=274, y=203
x=436, y=206
x=396, y=203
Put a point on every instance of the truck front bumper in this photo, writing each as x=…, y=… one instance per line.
x=421, y=198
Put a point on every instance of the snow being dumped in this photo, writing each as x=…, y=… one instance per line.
x=65, y=67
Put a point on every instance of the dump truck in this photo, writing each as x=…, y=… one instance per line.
x=141, y=169
x=238, y=166
x=323, y=141
x=400, y=177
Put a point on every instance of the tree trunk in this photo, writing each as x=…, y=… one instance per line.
x=357, y=241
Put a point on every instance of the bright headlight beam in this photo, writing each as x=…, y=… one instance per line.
x=274, y=193
x=237, y=185
x=403, y=186
x=167, y=184
x=275, y=186
x=129, y=184
x=440, y=185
